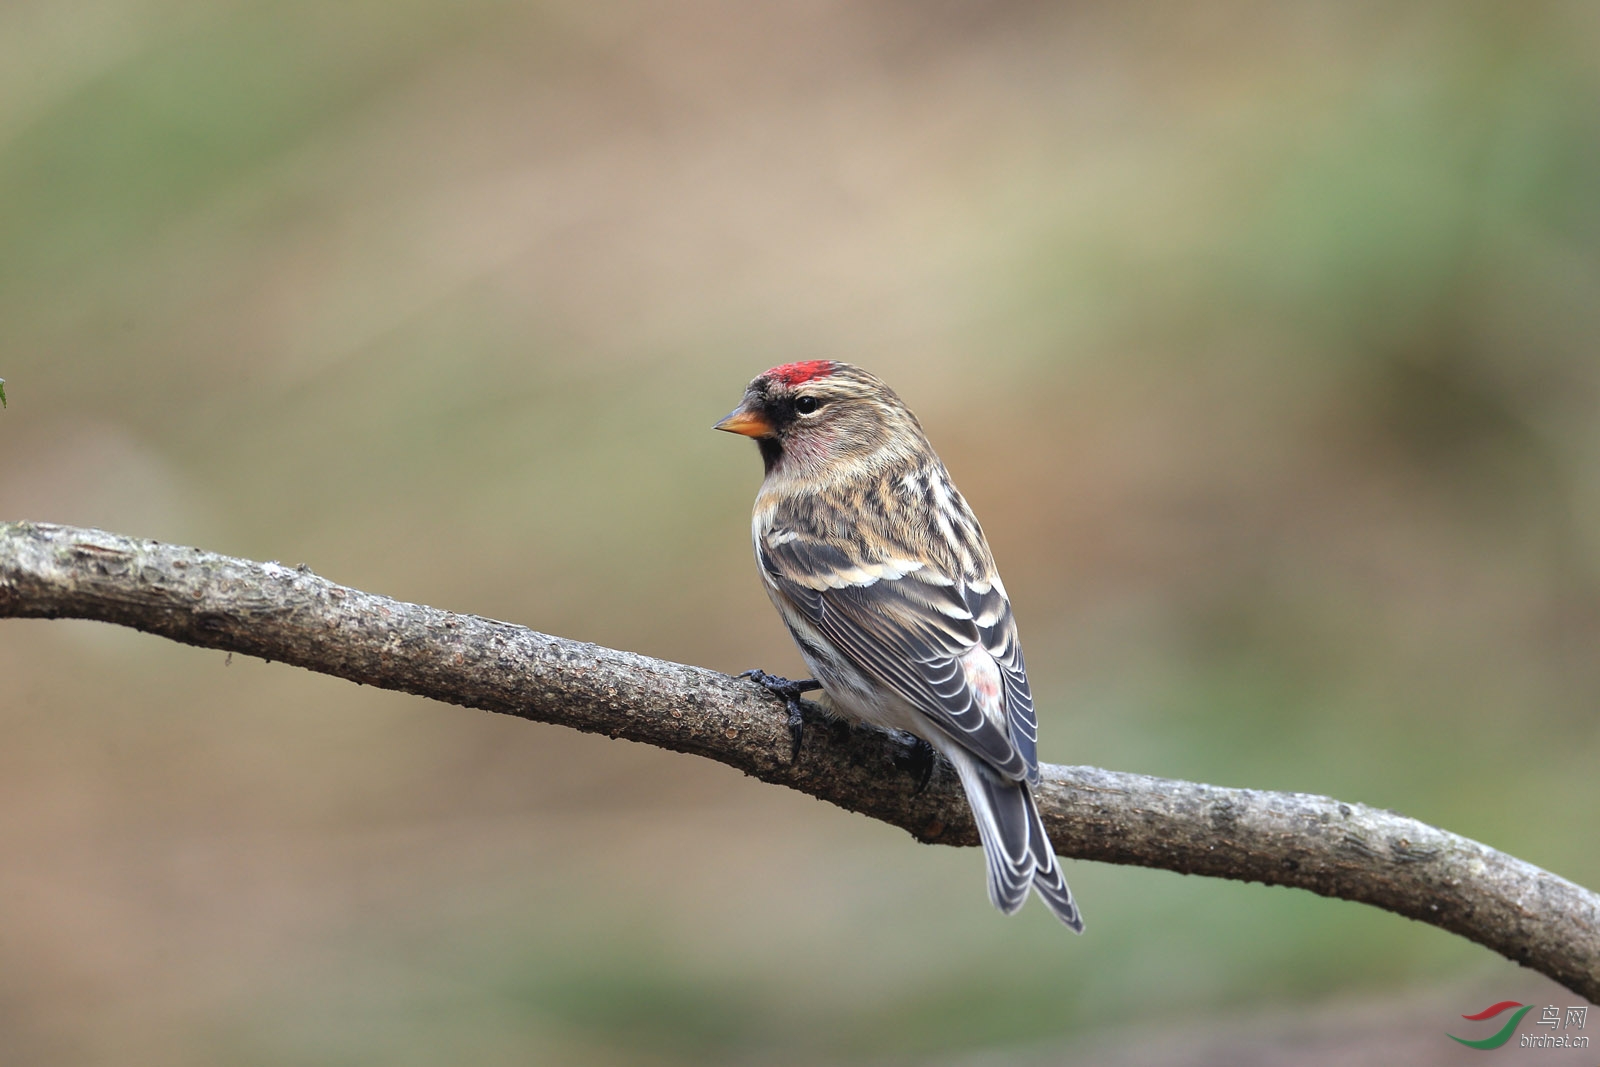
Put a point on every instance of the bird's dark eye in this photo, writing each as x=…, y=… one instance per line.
x=806, y=405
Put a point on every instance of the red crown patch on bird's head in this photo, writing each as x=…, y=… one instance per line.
x=792, y=374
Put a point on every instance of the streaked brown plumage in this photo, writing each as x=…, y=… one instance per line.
x=882, y=574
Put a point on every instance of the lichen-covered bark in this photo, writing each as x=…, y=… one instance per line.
x=289, y=614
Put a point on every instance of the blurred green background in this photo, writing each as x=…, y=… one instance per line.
x=1261, y=336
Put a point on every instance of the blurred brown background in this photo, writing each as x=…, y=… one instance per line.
x=1261, y=336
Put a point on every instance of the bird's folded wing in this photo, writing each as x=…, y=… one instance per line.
x=946, y=644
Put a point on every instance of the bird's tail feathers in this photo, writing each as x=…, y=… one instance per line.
x=1017, y=850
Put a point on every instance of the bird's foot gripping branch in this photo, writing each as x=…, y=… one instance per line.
x=1293, y=839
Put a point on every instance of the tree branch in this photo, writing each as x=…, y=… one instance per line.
x=1294, y=839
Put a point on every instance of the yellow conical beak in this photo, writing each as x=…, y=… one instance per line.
x=743, y=420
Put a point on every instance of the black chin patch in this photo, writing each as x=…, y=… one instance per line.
x=771, y=451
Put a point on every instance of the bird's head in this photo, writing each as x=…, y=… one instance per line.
x=805, y=416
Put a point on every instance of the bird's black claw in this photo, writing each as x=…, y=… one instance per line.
x=789, y=690
x=918, y=759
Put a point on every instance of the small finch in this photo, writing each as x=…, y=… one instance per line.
x=882, y=574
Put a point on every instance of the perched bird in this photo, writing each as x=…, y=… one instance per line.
x=882, y=574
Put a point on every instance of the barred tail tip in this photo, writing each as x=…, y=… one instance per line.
x=1016, y=848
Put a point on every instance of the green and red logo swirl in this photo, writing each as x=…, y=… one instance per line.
x=1505, y=1031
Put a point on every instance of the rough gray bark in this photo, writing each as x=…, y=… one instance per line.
x=290, y=614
